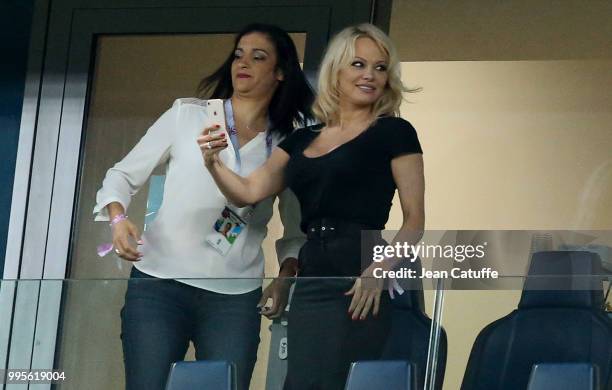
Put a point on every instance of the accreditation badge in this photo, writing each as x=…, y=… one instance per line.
x=228, y=227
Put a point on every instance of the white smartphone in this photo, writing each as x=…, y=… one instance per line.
x=216, y=115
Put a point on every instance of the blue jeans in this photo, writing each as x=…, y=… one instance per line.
x=161, y=316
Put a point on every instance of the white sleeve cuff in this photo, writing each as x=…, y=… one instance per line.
x=101, y=212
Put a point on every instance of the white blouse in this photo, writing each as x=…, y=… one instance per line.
x=174, y=243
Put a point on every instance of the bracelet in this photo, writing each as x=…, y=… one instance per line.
x=118, y=218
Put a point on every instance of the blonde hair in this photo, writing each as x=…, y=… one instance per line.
x=340, y=52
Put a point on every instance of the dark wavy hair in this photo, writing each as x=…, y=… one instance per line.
x=293, y=98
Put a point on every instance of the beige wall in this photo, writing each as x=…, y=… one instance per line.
x=450, y=30
x=515, y=121
x=514, y=145
x=137, y=79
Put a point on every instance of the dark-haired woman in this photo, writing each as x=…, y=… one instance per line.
x=265, y=93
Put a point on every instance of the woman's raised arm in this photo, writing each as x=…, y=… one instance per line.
x=265, y=181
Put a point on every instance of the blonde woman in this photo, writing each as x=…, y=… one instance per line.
x=344, y=173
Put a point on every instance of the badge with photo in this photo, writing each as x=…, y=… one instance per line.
x=226, y=230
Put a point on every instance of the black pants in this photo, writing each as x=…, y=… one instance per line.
x=323, y=340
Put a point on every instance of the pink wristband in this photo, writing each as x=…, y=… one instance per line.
x=118, y=218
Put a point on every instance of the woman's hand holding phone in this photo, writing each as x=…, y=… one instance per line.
x=211, y=142
x=214, y=138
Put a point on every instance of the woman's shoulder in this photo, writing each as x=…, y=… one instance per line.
x=398, y=135
x=184, y=106
x=306, y=132
x=187, y=109
x=394, y=122
x=311, y=129
x=300, y=137
x=393, y=127
x=189, y=102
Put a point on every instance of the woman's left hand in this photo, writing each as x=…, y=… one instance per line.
x=366, y=295
x=278, y=292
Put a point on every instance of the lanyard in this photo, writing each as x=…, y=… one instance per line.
x=233, y=134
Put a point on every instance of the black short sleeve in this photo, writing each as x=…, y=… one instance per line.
x=400, y=137
x=298, y=139
x=289, y=143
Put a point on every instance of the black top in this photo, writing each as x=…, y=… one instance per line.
x=353, y=182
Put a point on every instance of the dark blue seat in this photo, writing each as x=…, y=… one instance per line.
x=409, y=336
x=555, y=323
x=564, y=376
x=204, y=375
x=379, y=375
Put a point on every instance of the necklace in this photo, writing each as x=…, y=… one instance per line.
x=249, y=128
x=252, y=129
